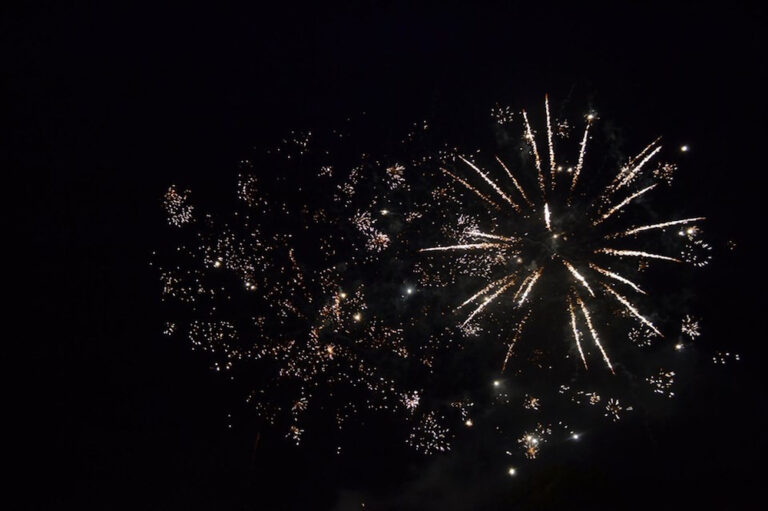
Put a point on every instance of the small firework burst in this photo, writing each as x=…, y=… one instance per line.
x=613, y=409
x=429, y=435
x=531, y=441
x=177, y=207
x=502, y=114
x=690, y=327
x=723, y=357
x=662, y=382
x=531, y=402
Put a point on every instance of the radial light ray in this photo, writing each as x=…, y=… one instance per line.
x=471, y=188
x=635, y=253
x=514, y=182
x=632, y=309
x=550, y=144
x=635, y=230
x=488, y=301
x=623, y=203
x=536, y=157
x=576, y=333
x=591, y=328
x=617, y=277
x=490, y=182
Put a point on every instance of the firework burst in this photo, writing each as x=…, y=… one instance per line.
x=573, y=235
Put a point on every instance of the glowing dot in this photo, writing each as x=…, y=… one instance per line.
x=342, y=295
x=689, y=231
x=555, y=236
x=512, y=471
x=468, y=423
x=575, y=436
x=590, y=117
x=385, y=212
x=678, y=346
x=519, y=260
x=217, y=264
x=409, y=290
x=496, y=383
x=357, y=316
x=684, y=148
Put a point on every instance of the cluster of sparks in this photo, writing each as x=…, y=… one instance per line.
x=300, y=281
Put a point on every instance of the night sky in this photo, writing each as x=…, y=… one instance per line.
x=105, y=106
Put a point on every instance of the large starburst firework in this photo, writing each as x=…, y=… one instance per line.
x=571, y=235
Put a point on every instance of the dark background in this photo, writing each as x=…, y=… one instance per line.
x=105, y=105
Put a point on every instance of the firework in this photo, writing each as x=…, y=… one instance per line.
x=563, y=225
x=341, y=285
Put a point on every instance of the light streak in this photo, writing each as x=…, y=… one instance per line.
x=616, y=276
x=532, y=141
x=635, y=253
x=483, y=291
x=493, y=185
x=582, y=152
x=662, y=225
x=632, y=309
x=488, y=300
x=531, y=283
x=624, y=203
x=514, y=181
x=578, y=276
x=576, y=334
x=588, y=319
x=551, y=146
x=471, y=188
x=469, y=246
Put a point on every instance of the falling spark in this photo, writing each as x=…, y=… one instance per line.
x=616, y=276
x=514, y=181
x=635, y=253
x=493, y=185
x=624, y=203
x=471, y=188
x=576, y=334
x=547, y=217
x=515, y=338
x=582, y=152
x=484, y=291
x=493, y=236
x=532, y=141
x=488, y=300
x=632, y=309
x=578, y=276
x=630, y=176
x=470, y=246
x=531, y=282
x=629, y=166
x=549, y=143
x=662, y=225
x=587, y=318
